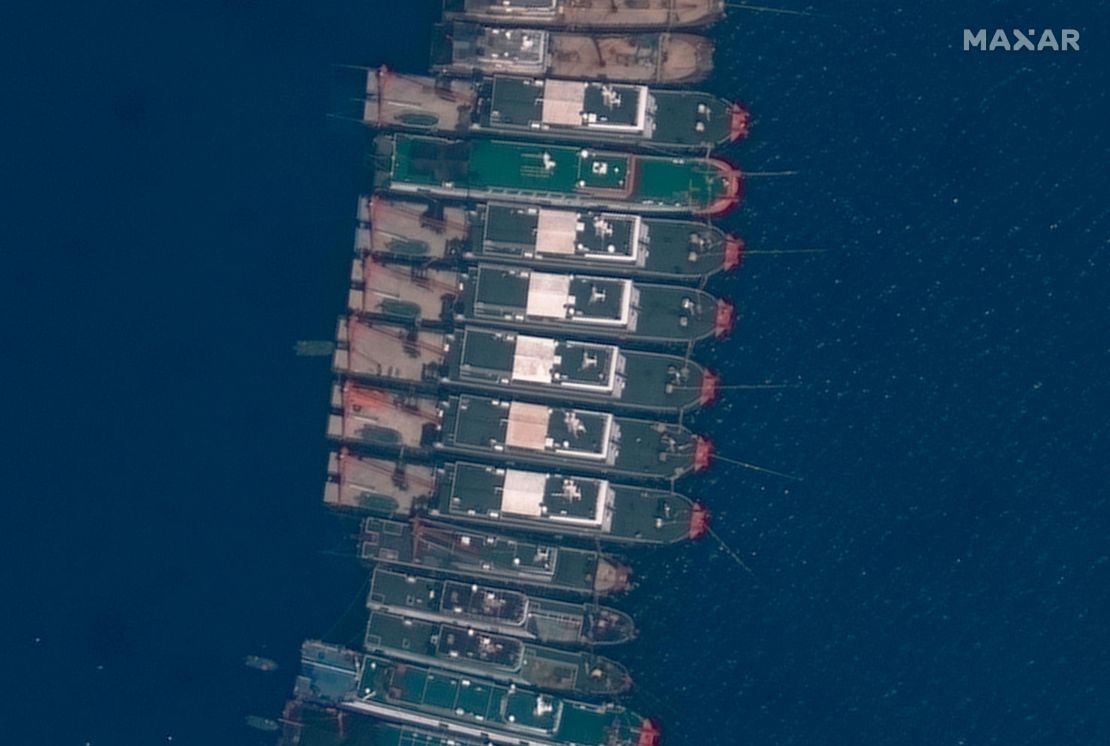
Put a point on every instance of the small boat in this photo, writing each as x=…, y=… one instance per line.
x=259, y=663
x=264, y=724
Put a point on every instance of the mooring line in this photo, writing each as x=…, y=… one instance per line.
x=731, y=552
x=753, y=467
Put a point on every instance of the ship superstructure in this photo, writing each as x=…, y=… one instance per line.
x=499, y=657
x=572, y=506
x=541, y=368
x=576, y=14
x=514, y=432
x=553, y=175
x=495, y=558
x=470, y=707
x=664, y=57
x=590, y=111
x=515, y=367
x=500, y=610
x=655, y=249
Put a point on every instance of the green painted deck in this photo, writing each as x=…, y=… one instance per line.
x=505, y=709
x=560, y=171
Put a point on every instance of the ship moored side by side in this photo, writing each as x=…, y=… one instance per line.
x=575, y=14
x=563, y=504
x=499, y=610
x=552, y=175
x=590, y=111
x=680, y=250
x=308, y=724
x=464, y=552
x=497, y=361
x=588, y=508
x=468, y=706
x=661, y=57
x=590, y=306
x=514, y=432
x=497, y=657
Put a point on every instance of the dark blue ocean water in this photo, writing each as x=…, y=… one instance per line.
x=178, y=210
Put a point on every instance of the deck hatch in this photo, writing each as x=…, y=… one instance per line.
x=563, y=102
x=523, y=493
x=534, y=359
x=527, y=426
x=547, y=295
x=557, y=232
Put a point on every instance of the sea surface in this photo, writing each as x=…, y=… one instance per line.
x=178, y=211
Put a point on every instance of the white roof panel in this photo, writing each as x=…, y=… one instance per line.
x=557, y=231
x=534, y=359
x=548, y=295
x=563, y=102
x=522, y=493
x=527, y=426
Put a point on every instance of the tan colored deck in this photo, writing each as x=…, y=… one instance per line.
x=678, y=58
x=386, y=351
x=400, y=220
x=365, y=406
x=351, y=477
x=657, y=13
x=598, y=14
x=392, y=97
x=390, y=282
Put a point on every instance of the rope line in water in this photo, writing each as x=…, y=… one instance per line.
x=731, y=552
x=765, y=9
x=753, y=467
x=743, y=386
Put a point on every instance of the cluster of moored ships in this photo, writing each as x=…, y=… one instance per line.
x=514, y=367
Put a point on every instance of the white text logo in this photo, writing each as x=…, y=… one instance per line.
x=1017, y=40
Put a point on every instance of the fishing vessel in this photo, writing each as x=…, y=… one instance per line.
x=257, y=722
x=431, y=547
x=469, y=706
x=558, y=303
x=513, y=499
x=514, y=432
x=497, y=657
x=588, y=241
x=591, y=306
x=578, y=14
x=498, y=610
x=659, y=57
x=550, y=175
x=259, y=663
x=592, y=111
x=500, y=361
x=307, y=724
